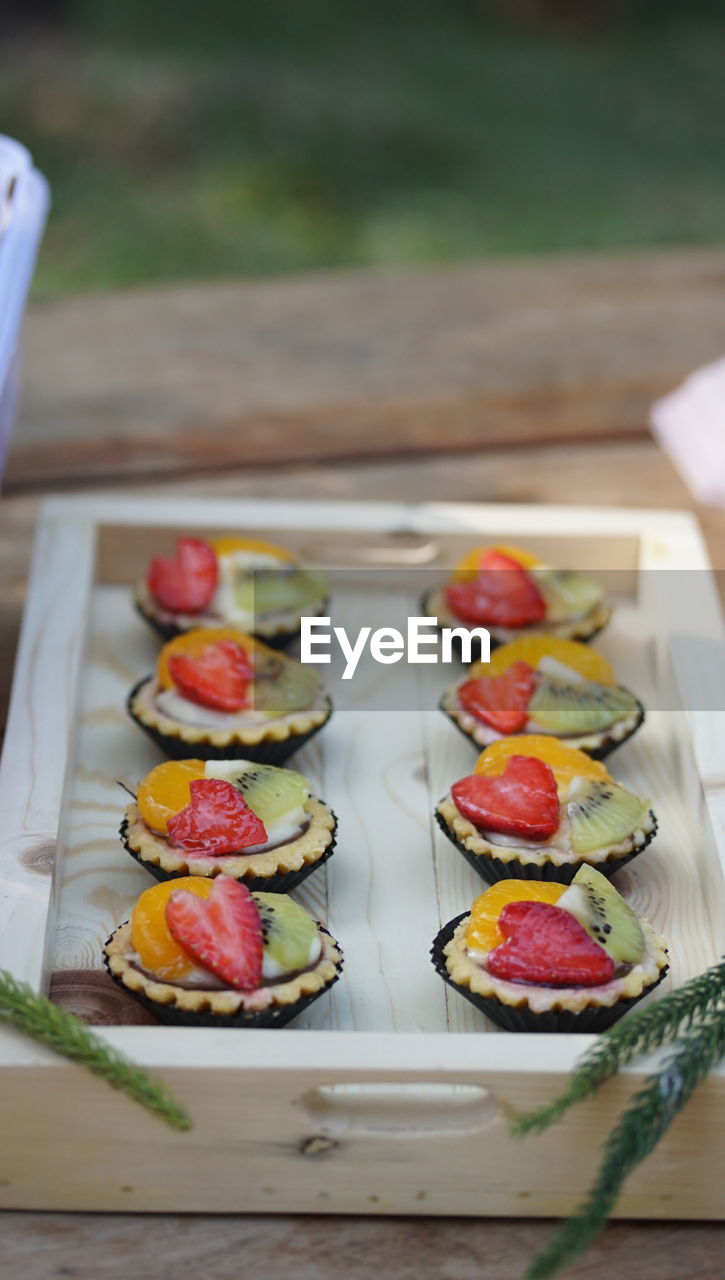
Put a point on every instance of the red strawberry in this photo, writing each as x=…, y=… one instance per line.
x=523, y=801
x=222, y=932
x=217, y=678
x=218, y=820
x=502, y=594
x=501, y=701
x=184, y=583
x=545, y=944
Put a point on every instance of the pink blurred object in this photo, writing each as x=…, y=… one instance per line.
x=689, y=424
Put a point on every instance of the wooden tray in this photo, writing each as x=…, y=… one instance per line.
x=391, y=1095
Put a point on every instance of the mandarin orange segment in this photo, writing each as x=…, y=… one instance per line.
x=580, y=657
x=483, y=933
x=471, y=562
x=228, y=544
x=193, y=643
x=165, y=791
x=157, y=951
x=565, y=762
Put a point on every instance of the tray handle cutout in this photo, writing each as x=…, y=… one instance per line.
x=418, y=1110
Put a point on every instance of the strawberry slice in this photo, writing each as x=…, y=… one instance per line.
x=217, y=820
x=522, y=801
x=218, y=677
x=501, y=701
x=501, y=594
x=222, y=932
x=546, y=945
x=186, y=582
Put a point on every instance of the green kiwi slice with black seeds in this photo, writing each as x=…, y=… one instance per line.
x=571, y=707
x=602, y=814
x=607, y=918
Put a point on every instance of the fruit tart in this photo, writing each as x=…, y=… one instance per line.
x=218, y=694
x=537, y=809
x=544, y=957
x=509, y=592
x=228, y=581
x=254, y=822
x=201, y=952
x=545, y=685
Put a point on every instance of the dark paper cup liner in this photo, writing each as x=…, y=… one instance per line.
x=587, y=1022
x=281, y=883
x=277, y=1016
x=280, y=639
x=265, y=752
x=605, y=747
x=492, y=869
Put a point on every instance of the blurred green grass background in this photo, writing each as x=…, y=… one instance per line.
x=207, y=138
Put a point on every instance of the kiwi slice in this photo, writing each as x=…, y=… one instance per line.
x=568, y=594
x=289, y=932
x=595, y=903
x=269, y=791
x=570, y=707
x=602, y=813
x=260, y=591
x=288, y=687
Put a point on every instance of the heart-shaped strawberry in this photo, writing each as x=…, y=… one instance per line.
x=186, y=582
x=222, y=932
x=502, y=594
x=523, y=801
x=217, y=820
x=501, y=701
x=546, y=945
x=218, y=677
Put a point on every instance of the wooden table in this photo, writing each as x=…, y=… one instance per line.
x=526, y=381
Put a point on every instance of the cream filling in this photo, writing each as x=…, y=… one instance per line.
x=172, y=704
x=224, y=602
x=271, y=969
x=470, y=971
x=556, y=849
x=485, y=734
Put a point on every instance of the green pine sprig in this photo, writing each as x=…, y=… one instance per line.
x=640, y=1032
x=639, y=1129
x=61, y=1031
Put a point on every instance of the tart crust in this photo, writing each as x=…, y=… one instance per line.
x=467, y=974
x=222, y=1003
x=584, y=628
x=142, y=708
x=276, y=629
x=497, y=861
x=304, y=851
x=597, y=745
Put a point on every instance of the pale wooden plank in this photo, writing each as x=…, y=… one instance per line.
x=40, y=730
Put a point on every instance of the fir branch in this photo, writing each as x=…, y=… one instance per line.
x=65, y=1034
x=639, y=1129
x=640, y=1032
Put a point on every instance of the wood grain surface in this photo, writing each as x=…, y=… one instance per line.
x=581, y=342
x=362, y=364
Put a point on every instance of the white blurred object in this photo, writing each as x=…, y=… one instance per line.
x=24, y=200
x=689, y=424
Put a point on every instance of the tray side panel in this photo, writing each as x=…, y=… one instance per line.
x=38, y=741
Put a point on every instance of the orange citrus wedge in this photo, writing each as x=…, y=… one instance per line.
x=227, y=545
x=483, y=933
x=468, y=567
x=165, y=791
x=565, y=762
x=157, y=951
